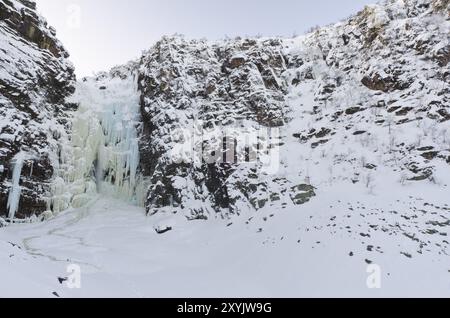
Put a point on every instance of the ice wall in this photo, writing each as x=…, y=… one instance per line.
x=102, y=156
x=15, y=190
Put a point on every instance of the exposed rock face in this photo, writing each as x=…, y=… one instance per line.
x=386, y=67
x=35, y=79
x=216, y=86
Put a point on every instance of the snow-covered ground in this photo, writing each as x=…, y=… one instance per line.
x=319, y=249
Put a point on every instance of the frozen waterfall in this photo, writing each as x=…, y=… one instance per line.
x=102, y=155
x=14, y=192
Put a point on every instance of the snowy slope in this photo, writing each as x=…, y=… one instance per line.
x=316, y=250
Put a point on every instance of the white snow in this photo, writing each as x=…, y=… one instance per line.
x=302, y=251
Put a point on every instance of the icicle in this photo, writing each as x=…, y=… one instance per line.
x=14, y=192
x=103, y=155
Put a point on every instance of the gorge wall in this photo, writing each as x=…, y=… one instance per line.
x=35, y=79
x=348, y=103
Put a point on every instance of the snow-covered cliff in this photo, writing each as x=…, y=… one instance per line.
x=350, y=102
x=237, y=126
x=35, y=78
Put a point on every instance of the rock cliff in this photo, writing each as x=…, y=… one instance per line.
x=35, y=79
x=232, y=126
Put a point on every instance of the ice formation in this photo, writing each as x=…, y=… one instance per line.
x=35, y=78
x=14, y=192
x=103, y=154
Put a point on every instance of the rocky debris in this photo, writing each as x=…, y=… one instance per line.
x=406, y=254
x=385, y=84
x=314, y=145
x=36, y=78
x=424, y=226
x=313, y=133
x=421, y=174
x=353, y=110
x=162, y=230
x=430, y=155
x=444, y=113
x=302, y=193
x=443, y=56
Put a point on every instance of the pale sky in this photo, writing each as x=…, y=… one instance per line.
x=102, y=33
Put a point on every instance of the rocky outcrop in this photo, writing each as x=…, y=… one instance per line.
x=385, y=84
x=381, y=76
x=216, y=86
x=382, y=67
x=35, y=80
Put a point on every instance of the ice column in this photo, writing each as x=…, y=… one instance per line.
x=14, y=192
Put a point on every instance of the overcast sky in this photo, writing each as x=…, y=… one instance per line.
x=102, y=33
